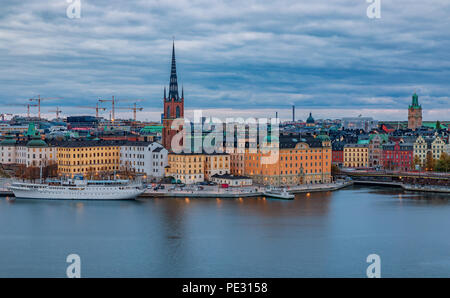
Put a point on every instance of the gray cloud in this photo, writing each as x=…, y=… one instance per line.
x=261, y=55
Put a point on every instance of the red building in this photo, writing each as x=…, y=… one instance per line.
x=337, y=154
x=173, y=106
x=398, y=156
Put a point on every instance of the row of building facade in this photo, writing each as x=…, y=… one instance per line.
x=298, y=160
x=380, y=152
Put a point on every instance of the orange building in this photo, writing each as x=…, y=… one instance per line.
x=300, y=161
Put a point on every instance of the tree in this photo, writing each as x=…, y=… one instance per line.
x=20, y=171
x=429, y=163
x=335, y=170
x=416, y=162
x=438, y=125
x=90, y=173
x=443, y=164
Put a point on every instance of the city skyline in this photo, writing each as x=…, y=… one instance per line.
x=329, y=69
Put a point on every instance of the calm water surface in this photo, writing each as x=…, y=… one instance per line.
x=321, y=235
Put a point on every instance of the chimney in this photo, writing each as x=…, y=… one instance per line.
x=293, y=113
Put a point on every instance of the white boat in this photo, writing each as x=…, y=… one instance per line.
x=78, y=190
x=278, y=193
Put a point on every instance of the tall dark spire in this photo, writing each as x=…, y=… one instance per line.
x=173, y=88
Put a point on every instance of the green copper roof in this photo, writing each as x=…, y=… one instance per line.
x=384, y=137
x=152, y=128
x=36, y=141
x=323, y=135
x=271, y=139
x=31, y=130
x=8, y=140
x=364, y=142
x=433, y=125
x=415, y=102
x=91, y=137
x=310, y=119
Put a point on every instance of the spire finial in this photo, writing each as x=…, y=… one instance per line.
x=173, y=87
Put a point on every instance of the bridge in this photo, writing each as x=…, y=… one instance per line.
x=398, y=178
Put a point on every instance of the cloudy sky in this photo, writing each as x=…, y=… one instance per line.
x=234, y=57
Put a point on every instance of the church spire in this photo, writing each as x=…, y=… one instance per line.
x=173, y=88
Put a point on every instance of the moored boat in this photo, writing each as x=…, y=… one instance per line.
x=278, y=194
x=78, y=190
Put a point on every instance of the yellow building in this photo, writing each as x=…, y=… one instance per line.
x=186, y=167
x=197, y=167
x=356, y=156
x=218, y=163
x=88, y=158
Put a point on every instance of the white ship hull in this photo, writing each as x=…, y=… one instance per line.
x=279, y=194
x=48, y=192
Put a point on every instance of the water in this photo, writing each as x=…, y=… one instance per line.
x=322, y=235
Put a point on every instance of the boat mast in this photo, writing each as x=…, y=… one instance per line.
x=40, y=173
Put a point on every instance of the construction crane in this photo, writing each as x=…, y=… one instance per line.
x=28, y=105
x=112, y=103
x=39, y=99
x=97, y=108
x=4, y=114
x=57, y=111
x=133, y=108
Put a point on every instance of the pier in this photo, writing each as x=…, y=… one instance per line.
x=241, y=192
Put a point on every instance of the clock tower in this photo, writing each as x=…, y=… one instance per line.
x=414, y=113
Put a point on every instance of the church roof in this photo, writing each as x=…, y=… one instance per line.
x=415, y=102
x=310, y=119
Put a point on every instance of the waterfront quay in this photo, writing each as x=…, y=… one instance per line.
x=409, y=181
x=239, y=192
x=174, y=191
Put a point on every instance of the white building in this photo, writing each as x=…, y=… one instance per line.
x=33, y=153
x=149, y=158
x=436, y=146
x=8, y=150
x=232, y=180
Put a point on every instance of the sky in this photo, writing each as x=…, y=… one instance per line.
x=234, y=58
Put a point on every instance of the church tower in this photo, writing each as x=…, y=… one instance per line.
x=414, y=113
x=173, y=105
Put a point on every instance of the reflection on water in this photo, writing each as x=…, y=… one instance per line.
x=315, y=235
